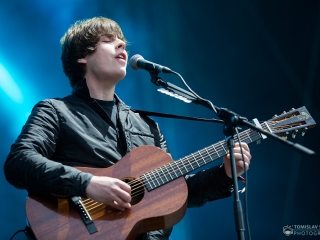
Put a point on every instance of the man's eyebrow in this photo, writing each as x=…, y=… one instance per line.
x=108, y=35
x=113, y=36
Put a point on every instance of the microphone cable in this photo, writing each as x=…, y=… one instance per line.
x=246, y=215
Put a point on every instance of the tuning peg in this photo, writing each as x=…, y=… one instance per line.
x=294, y=133
x=293, y=109
x=285, y=135
x=275, y=116
x=304, y=131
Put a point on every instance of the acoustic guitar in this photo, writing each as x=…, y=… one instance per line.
x=158, y=188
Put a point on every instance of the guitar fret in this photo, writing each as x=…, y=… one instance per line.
x=176, y=169
x=155, y=179
x=222, y=144
x=208, y=153
x=247, y=133
x=186, y=169
x=195, y=160
x=165, y=175
x=202, y=158
x=152, y=179
x=215, y=150
x=187, y=158
x=179, y=169
x=147, y=182
x=159, y=178
x=255, y=135
x=173, y=169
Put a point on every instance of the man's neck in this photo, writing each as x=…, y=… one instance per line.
x=101, y=90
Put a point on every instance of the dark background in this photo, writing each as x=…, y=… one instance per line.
x=257, y=58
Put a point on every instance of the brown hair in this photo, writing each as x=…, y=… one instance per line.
x=80, y=40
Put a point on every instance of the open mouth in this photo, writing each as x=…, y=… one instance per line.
x=122, y=56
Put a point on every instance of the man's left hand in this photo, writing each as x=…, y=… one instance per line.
x=238, y=159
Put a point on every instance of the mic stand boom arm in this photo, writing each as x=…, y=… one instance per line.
x=225, y=114
x=177, y=90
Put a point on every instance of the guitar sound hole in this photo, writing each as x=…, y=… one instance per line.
x=137, y=189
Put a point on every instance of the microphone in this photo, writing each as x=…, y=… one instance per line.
x=138, y=62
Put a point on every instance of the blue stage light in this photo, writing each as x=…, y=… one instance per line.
x=8, y=85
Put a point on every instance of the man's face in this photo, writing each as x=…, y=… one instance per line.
x=108, y=62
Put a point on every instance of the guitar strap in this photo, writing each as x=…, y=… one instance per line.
x=156, y=114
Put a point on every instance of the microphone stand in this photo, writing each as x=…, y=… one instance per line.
x=231, y=121
x=229, y=131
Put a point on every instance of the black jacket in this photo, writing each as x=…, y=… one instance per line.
x=76, y=131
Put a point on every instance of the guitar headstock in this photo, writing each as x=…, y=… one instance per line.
x=291, y=122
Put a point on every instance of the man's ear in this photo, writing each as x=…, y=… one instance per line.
x=82, y=60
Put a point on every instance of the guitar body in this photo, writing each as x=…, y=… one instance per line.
x=55, y=218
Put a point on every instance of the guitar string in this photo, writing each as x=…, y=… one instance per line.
x=211, y=150
x=175, y=167
x=139, y=181
x=160, y=173
x=140, y=186
x=136, y=188
x=176, y=164
x=90, y=204
x=95, y=204
x=195, y=160
x=137, y=184
x=221, y=145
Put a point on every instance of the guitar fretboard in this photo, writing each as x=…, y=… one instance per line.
x=181, y=167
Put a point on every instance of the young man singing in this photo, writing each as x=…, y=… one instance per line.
x=93, y=127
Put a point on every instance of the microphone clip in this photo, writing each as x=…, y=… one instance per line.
x=172, y=90
x=155, y=79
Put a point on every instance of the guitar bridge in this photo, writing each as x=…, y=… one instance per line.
x=87, y=220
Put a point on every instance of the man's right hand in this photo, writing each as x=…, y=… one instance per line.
x=110, y=191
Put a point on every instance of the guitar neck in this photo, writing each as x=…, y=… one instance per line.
x=181, y=167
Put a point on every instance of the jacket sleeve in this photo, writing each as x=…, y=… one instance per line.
x=162, y=141
x=208, y=185
x=28, y=165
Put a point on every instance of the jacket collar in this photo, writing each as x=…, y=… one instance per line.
x=81, y=89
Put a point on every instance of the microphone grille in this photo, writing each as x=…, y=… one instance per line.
x=134, y=60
